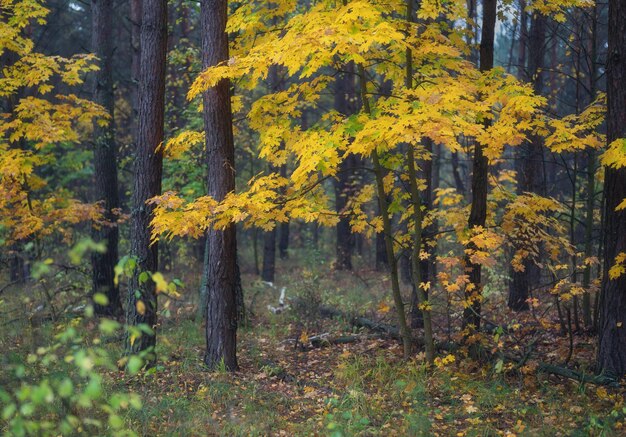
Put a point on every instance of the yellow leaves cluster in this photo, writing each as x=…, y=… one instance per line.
x=529, y=223
x=268, y=199
x=34, y=123
x=578, y=131
x=177, y=146
x=615, y=155
x=481, y=246
x=619, y=266
x=557, y=8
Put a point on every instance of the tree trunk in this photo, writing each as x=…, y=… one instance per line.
x=269, y=255
x=529, y=163
x=591, y=176
x=478, y=212
x=283, y=238
x=105, y=163
x=346, y=103
x=405, y=332
x=221, y=272
x=612, y=325
x=148, y=166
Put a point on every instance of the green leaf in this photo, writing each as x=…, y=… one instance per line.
x=108, y=326
x=66, y=388
x=100, y=299
x=134, y=364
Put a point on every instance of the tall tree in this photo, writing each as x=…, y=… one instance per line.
x=529, y=159
x=612, y=324
x=148, y=166
x=346, y=103
x=221, y=273
x=480, y=185
x=105, y=162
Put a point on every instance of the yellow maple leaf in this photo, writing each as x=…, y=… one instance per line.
x=141, y=307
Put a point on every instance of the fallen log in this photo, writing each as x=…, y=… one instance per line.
x=383, y=328
x=578, y=376
x=319, y=341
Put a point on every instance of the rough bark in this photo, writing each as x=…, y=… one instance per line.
x=147, y=172
x=220, y=271
x=105, y=163
x=478, y=212
x=612, y=323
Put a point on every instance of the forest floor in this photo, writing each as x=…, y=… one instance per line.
x=285, y=386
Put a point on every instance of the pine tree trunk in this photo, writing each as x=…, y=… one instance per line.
x=105, y=163
x=221, y=271
x=612, y=324
x=148, y=166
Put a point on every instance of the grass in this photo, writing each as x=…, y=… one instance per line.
x=362, y=388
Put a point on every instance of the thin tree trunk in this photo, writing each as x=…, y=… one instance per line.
x=269, y=255
x=478, y=212
x=612, y=324
x=221, y=272
x=142, y=299
x=529, y=163
x=105, y=163
x=591, y=179
x=405, y=332
x=418, y=267
x=283, y=238
x=346, y=105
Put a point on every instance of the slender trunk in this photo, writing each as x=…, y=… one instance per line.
x=591, y=180
x=105, y=163
x=529, y=163
x=612, y=324
x=346, y=105
x=269, y=255
x=405, y=332
x=142, y=299
x=221, y=272
x=283, y=238
x=478, y=212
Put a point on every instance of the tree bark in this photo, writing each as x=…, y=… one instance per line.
x=346, y=103
x=612, y=325
x=269, y=255
x=221, y=272
x=147, y=175
x=105, y=163
x=283, y=238
x=478, y=212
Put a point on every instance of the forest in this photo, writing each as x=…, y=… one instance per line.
x=313, y=217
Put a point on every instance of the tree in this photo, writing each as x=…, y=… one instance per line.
x=480, y=185
x=529, y=161
x=105, y=164
x=220, y=270
x=141, y=311
x=346, y=103
x=612, y=324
